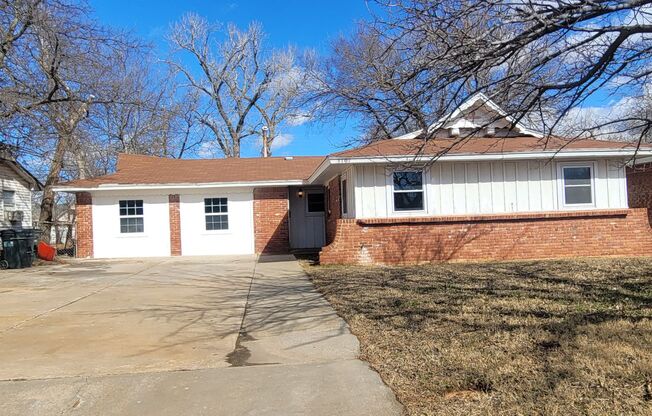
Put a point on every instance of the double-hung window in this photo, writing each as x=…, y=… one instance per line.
x=408, y=191
x=131, y=216
x=577, y=184
x=217, y=213
x=9, y=199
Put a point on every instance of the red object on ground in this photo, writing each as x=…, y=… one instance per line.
x=45, y=251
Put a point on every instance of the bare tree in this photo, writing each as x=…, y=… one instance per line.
x=544, y=58
x=55, y=73
x=282, y=99
x=23, y=83
x=240, y=85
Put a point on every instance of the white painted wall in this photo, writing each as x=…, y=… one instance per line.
x=486, y=187
x=109, y=242
x=238, y=239
x=10, y=181
x=155, y=241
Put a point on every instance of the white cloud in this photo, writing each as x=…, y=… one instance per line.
x=298, y=119
x=282, y=140
x=209, y=150
x=601, y=122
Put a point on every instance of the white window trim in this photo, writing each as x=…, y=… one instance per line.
x=390, y=197
x=344, y=195
x=120, y=217
x=561, y=188
x=206, y=214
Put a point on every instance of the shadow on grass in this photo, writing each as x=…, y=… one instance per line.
x=569, y=337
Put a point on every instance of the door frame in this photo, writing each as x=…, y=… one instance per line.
x=303, y=211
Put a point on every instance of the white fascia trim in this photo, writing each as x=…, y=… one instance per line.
x=320, y=169
x=491, y=156
x=130, y=187
x=409, y=136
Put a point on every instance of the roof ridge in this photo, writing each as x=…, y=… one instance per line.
x=140, y=155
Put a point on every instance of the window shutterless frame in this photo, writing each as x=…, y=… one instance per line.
x=131, y=216
x=9, y=198
x=577, y=185
x=344, y=196
x=216, y=211
x=407, y=191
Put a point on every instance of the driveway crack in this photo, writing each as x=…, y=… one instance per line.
x=241, y=354
x=37, y=316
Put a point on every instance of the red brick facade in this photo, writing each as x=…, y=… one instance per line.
x=271, y=228
x=639, y=188
x=623, y=232
x=334, y=208
x=84, y=224
x=175, y=225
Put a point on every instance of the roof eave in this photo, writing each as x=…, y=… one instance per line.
x=159, y=186
x=557, y=154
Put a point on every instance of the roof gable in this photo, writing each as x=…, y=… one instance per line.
x=476, y=113
x=23, y=174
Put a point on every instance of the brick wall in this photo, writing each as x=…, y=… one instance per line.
x=639, y=188
x=623, y=232
x=271, y=230
x=84, y=224
x=175, y=225
x=334, y=208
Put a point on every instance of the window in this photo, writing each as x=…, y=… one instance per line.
x=408, y=191
x=8, y=199
x=316, y=202
x=344, y=196
x=578, y=185
x=131, y=216
x=216, y=210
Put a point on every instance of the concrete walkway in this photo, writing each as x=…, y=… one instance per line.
x=292, y=355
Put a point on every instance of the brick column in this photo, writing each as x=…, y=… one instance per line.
x=175, y=225
x=639, y=188
x=334, y=212
x=271, y=229
x=84, y=224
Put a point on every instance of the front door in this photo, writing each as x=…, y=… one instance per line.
x=307, y=218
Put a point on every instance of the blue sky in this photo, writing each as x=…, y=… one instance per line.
x=305, y=24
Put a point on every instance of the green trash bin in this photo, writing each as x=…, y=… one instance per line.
x=25, y=252
x=11, y=253
x=28, y=249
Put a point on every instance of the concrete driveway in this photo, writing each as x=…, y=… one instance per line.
x=191, y=336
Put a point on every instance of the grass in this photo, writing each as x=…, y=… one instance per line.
x=514, y=338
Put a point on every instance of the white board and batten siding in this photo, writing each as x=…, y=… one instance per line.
x=109, y=242
x=467, y=188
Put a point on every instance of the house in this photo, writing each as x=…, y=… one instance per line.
x=17, y=185
x=503, y=192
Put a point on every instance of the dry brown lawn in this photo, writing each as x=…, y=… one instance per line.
x=514, y=338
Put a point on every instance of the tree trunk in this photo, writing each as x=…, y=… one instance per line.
x=47, y=204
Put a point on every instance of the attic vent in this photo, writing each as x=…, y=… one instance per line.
x=288, y=158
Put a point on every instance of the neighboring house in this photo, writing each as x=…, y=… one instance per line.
x=17, y=185
x=503, y=193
